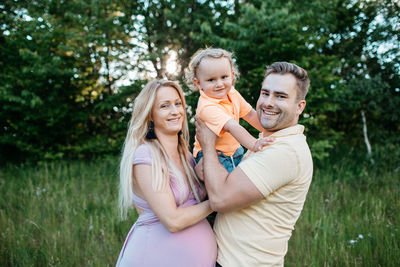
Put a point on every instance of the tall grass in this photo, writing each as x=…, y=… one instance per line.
x=60, y=214
x=65, y=214
x=351, y=216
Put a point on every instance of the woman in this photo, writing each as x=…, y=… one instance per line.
x=156, y=175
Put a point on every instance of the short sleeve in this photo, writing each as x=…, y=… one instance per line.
x=215, y=118
x=244, y=107
x=272, y=168
x=142, y=155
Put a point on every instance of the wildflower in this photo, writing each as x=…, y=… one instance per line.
x=352, y=241
x=90, y=227
x=37, y=192
x=44, y=190
x=360, y=236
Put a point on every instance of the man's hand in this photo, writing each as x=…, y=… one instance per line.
x=204, y=135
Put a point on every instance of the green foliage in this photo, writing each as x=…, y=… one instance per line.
x=336, y=42
x=369, y=78
x=53, y=56
x=37, y=90
x=64, y=66
x=179, y=26
x=261, y=33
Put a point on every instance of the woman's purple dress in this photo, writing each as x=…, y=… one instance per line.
x=149, y=243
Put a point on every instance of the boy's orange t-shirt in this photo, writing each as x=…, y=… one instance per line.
x=215, y=113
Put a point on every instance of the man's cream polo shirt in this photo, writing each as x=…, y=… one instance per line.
x=258, y=235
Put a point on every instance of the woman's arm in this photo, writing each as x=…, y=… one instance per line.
x=163, y=203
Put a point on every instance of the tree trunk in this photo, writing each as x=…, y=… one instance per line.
x=365, y=133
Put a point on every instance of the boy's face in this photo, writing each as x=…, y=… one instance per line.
x=214, y=77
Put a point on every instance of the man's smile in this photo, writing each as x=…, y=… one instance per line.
x=269, y=112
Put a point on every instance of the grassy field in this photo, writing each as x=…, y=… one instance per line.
x=351, y=216
x=65, y=214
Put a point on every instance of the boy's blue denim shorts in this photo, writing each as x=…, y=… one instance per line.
x=229, y=162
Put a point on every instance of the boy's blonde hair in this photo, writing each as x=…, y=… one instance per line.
x=191, y=70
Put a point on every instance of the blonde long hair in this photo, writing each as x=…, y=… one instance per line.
x=138, y=127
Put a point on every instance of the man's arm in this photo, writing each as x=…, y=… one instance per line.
x=226, y=191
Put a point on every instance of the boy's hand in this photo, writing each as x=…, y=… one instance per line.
x=260, y=143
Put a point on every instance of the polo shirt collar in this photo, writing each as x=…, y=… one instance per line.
x=216, y=100
x=292, y=130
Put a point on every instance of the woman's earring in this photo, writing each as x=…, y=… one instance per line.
x=150, y=132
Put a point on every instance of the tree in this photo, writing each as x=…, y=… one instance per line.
x=54, y=56
x=262, y=32
x=363, y=35
x=167, y=26
x=334, y=41
x=71, y=56
x=63, y=64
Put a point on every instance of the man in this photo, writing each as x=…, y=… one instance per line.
x=261, y=200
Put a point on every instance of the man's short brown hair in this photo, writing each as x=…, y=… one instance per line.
x=302, y=80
